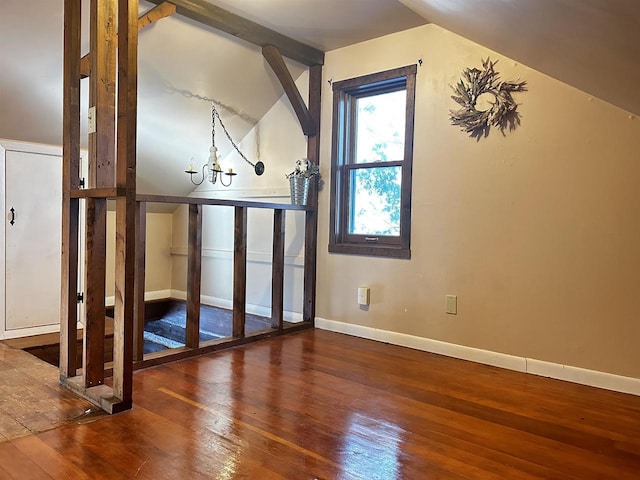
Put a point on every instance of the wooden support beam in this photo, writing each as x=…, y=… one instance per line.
x=102, y=93
x=277, y=270
x=311, y=223
x=194, y=277
x=70, y=178
x=102, y=90
x=239, y=272
x=151, y=16
x=220, y=19
x=156, y=13
x=125, y=291
x=138, y=316
x=175, y=354
x=94, y=286
x=275, y=60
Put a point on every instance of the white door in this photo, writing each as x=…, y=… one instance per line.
x=33, y=241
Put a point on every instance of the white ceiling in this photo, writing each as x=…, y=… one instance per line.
x=591, y=44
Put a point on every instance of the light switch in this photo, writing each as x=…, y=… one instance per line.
x=91, y=124
x=363, y=296
x=452, y=304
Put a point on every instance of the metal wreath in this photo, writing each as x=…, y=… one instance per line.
x=503, y=113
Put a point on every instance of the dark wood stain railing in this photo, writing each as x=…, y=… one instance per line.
x=193, y=345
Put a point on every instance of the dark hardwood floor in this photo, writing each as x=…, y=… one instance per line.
x=323, y=405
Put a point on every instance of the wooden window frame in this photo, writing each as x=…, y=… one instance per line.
x=345, y=94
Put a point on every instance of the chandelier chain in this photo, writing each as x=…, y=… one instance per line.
x=214, y=115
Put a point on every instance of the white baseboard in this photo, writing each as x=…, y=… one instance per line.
x=293, y=317
x=568, y=373
x=31, y=331
x=153, y=295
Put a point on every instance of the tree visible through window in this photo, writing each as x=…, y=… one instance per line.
x=371, y=164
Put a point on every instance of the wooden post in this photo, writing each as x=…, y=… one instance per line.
x=95, y=275
x=102, y=89
x=277, y=270
x=102, y=93
x=239, y=272
x=70, y=178
x=194, y=277
x=125, y=205
x=138, y=317
x=311, y=220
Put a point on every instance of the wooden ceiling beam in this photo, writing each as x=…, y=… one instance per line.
x=275, y=60
x=220, y=19
x=162, y=10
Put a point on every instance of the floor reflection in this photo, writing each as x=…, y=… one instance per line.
x=371, y=448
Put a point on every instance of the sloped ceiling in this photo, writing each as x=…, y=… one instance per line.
x=593, y=45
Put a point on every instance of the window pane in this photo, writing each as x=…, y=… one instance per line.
x=375, y=201
x=380, y=127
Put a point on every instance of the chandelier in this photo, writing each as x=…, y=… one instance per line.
x=211, y=170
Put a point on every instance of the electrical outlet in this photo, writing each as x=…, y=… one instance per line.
x=451, y=304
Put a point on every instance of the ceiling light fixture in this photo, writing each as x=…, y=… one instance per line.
x=212, y=170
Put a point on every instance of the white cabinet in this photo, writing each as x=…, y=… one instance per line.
x=30, y=240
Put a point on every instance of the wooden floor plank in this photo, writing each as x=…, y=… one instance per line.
x=48, y=459
x=18, y=465
x=322, y=405
x=31, y=398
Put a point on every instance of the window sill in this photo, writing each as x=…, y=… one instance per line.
x=388, y=251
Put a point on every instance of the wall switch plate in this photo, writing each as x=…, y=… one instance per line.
x=451, y=304
x=91, y=121
x=363, y=295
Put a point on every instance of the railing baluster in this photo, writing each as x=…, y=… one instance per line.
x=95, y=279
x=277, y=270
x=310, y=252
x=239, y=272
x=141, y=250
x=194, y=277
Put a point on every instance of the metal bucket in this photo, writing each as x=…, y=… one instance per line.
x=299, y=190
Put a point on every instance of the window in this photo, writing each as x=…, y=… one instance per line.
x=371, y=161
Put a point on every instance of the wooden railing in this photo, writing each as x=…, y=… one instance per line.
x=193, y=345
x=89, y=380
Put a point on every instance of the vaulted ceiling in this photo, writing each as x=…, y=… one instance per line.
x=591, y=44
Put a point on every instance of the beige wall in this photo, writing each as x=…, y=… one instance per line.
x=537, y=232
x=158, y=258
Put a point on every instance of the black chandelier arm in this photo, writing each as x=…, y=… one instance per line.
x=230, y=180
x=191, y=174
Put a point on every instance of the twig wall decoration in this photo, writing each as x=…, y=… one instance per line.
x=503, y=110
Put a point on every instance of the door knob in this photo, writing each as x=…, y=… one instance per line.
x=12, y=216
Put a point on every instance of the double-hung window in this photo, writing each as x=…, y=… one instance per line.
x=371, y=162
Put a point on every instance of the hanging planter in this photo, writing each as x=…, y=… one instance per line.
x=300, y=181
x=299, y=190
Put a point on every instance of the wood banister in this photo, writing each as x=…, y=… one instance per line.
x=239, y=272
x=277, y=270
x=194, y=277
